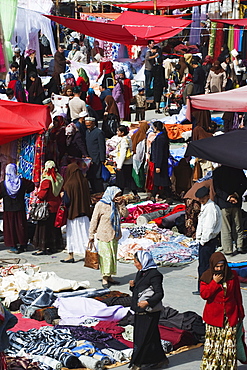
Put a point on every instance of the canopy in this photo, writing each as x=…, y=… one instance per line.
x=130, y=28
x=163, y=4
x=228, y=101
x=228, y=149
x=21, y=119
x=233, y=22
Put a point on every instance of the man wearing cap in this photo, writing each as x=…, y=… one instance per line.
x=76, y=104
x=54, y=111
x=95, y=140
x=208, y=229
x=18, y=58
x=71, y=42
x=60, y=61
x=198, y=78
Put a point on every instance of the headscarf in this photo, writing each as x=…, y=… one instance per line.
x=217, y=68
x=30, y=52
x=208, y=60
x=146, y=260
x=75, y=46
x=107, y=198
x=67, y=87
x=91, y=94
x=50, y=173
x=216, y=258
x=70, y=131
x=60, y=120
x=76, y=187
x=139, y=135
x=82, y=73
x=12, y=181
x=111, y=106
x=188, y=58
x=183, y=66
x=36, y=88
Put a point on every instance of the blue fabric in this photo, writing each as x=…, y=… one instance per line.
x=105, y=173
x=107, y=198
x=146, y=260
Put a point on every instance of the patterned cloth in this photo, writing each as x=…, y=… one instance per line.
x=220, y=348
x=108, y=257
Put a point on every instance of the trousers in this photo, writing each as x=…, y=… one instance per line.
x=205, y=252
x=232, y=229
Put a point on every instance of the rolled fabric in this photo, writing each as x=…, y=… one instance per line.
x=51, y=362
x=91, y=363
x=146, y=218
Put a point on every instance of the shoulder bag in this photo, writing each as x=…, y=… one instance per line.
x=91, y=257
x=61, y=216
x=146, y=294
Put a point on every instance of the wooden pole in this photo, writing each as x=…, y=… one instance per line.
x=91, y=6
x=58, y=31
x=155, y=7
x=76, y=6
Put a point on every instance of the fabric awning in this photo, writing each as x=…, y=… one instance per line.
x=22, y=119
x=227, y=101
x=163, y=4
x=130, y=28
x=228, y=149
x=233, y=22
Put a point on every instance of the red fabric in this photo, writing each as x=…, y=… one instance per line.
x=19, y=119
x=164, y=4
x=95, y=102
x=127, y=98
x=242, y=279
x=116, y=331
x=233, y=22
x=125, y=32
x=150, y=177
x=106, y=67
x=178, y=208
x=3, y=362
x=177, y=337
x=137, y=211
x=217, y=304
x=45, y=193
x=219, y=40
x=26, y=324
x=83, y=85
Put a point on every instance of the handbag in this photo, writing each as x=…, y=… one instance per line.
x=61, y=216
x=39, y=211
x=146, y=294
x=91, y=257
x=105, y=173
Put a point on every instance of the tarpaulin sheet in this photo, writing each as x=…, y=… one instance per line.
x=162, y=4
x=22, y=119
x=228, y=149
x=233, y=22
x=130, y=29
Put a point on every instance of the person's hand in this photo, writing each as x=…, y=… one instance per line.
x=105, y=114
x=118, y=169
x=217, y=278
x=62, y=194
x=97, y=79
x=68, y=61
x=233, y=200
x=119, y=200
x=142, y=304
x=132, y=283
x=157, y=170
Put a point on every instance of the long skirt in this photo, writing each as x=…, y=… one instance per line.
x=124, y=178
x=108, y=257
x=147, y=345
x=220, y=348
x=14, y=228
x=47, y=236
x=77, y=235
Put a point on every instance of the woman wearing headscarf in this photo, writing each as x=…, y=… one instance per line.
x=139, y=150
x=220, y=288
x=159, y=82
x=127, y=95
x=56, y=141
x=207, y=64
x=75, y=145
x=47, y=236
x=68, y=91
x=75, y=53
x=36, y=93
x=77, y=200
x=83, y=82
x=118, y=96
x=105, y=224
x=54, y=85
x=95, y=103
x=13, y=190
x=31, y=66
x=184, y=69
x=111, y=117
x=147, y=345
x=107, y=70
x=216, y=81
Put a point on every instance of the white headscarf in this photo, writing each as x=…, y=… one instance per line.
x=146, y=260
x=12, y=180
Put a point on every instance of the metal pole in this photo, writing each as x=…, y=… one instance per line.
x=58, y=31
x=76, y=5
x=155, y=7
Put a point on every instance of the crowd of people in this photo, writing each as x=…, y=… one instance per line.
x=140, y=160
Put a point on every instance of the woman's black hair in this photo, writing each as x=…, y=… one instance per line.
x=158, y=125
x=136, y=257
x=32, y=74
x=123, y=129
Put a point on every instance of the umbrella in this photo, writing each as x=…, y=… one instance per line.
x=228, y=149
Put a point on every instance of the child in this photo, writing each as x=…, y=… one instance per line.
x=141, y=104
x=13, y=73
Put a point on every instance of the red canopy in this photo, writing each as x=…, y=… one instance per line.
x=233, y=22
x=22, y=119
x=226, y=101
x=164, y=4
x=130, y=28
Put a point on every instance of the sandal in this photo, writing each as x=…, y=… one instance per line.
x=38, y=253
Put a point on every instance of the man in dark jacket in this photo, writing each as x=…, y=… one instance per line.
x=60, y=61
x=95, y=141
x=18, y=58
x=198, y=78
x=229, y=185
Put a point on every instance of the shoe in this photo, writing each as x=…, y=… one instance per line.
x=105, y=286
x=71, y=260
x=242, y=251
x=160, y=364
x=196, y=292
x=113, y=282
x=39, y=253
x=14, y=250
x=234, y=253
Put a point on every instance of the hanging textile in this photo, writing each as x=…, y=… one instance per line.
x=195, y=27
x=219, y=39
x=26, y=156
x=39, y=159
x=8, y=15
x=236, y=38
x=212, y=39
x=230, y=37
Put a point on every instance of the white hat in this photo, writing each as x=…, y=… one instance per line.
x=46, y=101
x=83, y=114
x=71, y=39
x=92, y=119
x=17, y=50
